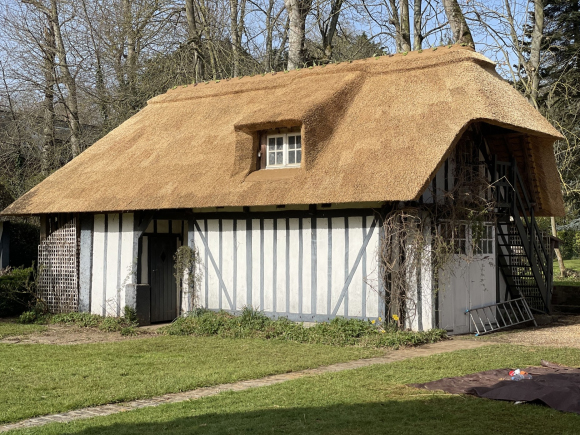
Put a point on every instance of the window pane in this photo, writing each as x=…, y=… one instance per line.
x=298, y=141
x=279, y=142
x=279, y=158
x=272, y=142
x=291, y=146
x=291, y=157
x=298, y=156
x=291, y=140
x=271, y=158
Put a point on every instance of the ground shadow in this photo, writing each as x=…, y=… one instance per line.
x=424, y=414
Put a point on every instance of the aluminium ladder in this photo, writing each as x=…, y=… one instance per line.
x=493, y=317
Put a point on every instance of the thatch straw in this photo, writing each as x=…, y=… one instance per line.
x=373, y=130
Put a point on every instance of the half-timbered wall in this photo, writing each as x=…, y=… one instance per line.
x=303, y=268
x=108, y=263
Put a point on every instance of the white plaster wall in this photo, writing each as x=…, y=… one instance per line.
x=465, y=285
x=114, y=263
x=306, y=274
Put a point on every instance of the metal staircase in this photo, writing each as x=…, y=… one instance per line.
x=525, y=260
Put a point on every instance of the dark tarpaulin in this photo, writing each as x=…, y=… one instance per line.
x=553, y=385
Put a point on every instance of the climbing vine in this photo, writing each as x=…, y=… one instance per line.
x=187, y=273
x=432, y=236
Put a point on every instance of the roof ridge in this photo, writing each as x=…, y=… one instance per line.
x=392, y=58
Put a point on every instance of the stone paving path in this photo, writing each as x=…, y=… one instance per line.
x=102, y=410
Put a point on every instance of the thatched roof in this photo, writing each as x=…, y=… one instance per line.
x=373, y=130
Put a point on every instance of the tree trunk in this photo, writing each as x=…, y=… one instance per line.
x=557, y=250
x=535, y=47
x=194, y=40
x=417, y=25
x=459, y=27
x=297, y=12
x=405, y=25
x=235, y=37
x=269, y=37
x=328, y=31
x=99, y=75
x=69, y=82
x=277, y=60
x=400, y=20
x=48, y=104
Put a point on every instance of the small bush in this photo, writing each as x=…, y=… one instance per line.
x=28, y=317
x=130, y=314
x=84, y=320
x=111, y=324
x=338, y=332
x=128, y=331
x=16, y=291
x=24, y=238
x=125, y=325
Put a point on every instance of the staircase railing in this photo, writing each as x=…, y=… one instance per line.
x=522, y=240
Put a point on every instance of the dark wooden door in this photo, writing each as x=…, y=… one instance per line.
x=162, y=279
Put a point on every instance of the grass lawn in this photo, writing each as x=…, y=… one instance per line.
x=570, y=264
x=9, y=328
x=364, y=401
x=44, y=379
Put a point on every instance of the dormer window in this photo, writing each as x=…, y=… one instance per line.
x=284, y=151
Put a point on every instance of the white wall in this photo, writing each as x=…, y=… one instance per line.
x=465, y=285
x=114, y=263
x=307, y=269
x=420, y=306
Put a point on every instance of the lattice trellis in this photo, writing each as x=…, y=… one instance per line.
x=58, y=269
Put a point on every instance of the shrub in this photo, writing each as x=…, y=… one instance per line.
x=24, y=238
x=128, y=331
x=338, y=332
x=84, y=320
x=16, y=291
x=111, y=324
x=125, y=325
x=130, y=314
x=28, y=317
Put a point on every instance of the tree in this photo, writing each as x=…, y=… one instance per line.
x=327, y=25
x=66, y=76
x=297, y=12
x=457, y=22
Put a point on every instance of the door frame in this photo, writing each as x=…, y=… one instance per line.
x=171, y=236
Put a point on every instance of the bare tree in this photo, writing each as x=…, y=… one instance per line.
x=297, y=12
x=328, y=24
x=457, y=22
x=49, y=114
x=52, y=13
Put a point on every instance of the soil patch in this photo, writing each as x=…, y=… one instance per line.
x=65, y=335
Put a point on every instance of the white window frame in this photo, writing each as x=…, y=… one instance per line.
x=285, y=151
x=462, y=236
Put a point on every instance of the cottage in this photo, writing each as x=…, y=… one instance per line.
x=281, y=184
